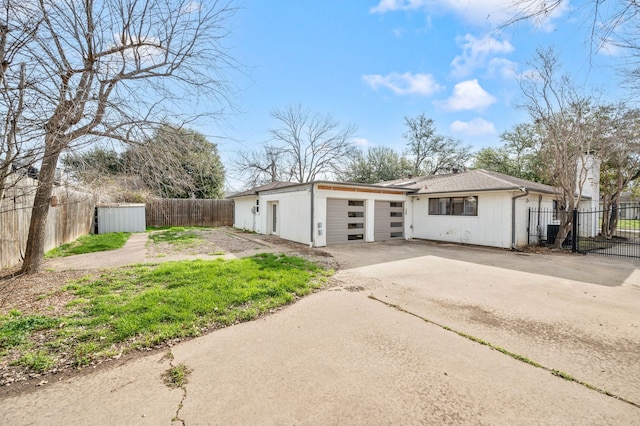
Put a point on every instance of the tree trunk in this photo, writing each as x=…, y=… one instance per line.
x=34, y=253
x=563, y=231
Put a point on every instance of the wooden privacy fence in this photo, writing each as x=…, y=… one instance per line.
x=189, y=212
x=70, y=217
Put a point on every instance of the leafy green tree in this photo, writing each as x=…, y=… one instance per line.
x=618, y=146
x=494, y=159
x=174, y=163
x=375, y=165
x=178, y=163
x=90, y=165
x=518, y=156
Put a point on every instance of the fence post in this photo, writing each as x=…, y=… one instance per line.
x=574, y=232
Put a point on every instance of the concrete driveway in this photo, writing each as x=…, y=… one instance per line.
x=382, y=348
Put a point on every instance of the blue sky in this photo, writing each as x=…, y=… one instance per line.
x=371, y=63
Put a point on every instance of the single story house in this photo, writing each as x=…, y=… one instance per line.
x=473, y=207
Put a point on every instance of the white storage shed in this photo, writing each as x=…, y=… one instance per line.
x=119, y=218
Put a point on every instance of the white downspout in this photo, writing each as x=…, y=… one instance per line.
x=513, y=215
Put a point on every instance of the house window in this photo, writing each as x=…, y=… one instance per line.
x=454, y=206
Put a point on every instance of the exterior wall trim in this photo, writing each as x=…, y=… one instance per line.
x=367, y=190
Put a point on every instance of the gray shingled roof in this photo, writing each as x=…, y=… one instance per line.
x=268, y=186
x=468, y=181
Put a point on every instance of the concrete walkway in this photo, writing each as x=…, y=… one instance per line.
x=342, y=356
x=134, y=251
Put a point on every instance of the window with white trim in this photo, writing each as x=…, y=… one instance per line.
x=454, y=206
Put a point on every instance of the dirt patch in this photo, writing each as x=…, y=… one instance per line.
x=207, y=241
x=38, y=293
x=548, y=250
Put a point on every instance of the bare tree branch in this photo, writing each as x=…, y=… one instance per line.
x=113, y=69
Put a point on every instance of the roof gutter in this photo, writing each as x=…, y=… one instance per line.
x=513, y=215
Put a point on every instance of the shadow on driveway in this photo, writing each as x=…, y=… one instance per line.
x=590, y=269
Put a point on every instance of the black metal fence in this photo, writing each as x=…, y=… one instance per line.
x=588, y=235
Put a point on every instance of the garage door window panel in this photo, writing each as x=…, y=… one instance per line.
x=389, y=220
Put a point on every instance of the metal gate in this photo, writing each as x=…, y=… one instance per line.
x=591, y=231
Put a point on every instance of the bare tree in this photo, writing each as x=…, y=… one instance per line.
x=430, y=152
x=113, y=69
x=263, y=165
x=14, y=35
x=314, y=145
x=610, y=24
x=566, y=120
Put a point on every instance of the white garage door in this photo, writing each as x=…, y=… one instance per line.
x=389, y=220
x=345, y=221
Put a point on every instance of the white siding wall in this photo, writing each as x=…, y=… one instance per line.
x=492, y=226
x=121, y=218
x=243, y=216
x=320, y=208
x=293, y=216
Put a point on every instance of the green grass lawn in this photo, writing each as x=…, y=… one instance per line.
x=177, y=235
x=146, y=305
x=629, y=224
x=91, y=243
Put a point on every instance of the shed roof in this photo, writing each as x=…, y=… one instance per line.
x=468, y=181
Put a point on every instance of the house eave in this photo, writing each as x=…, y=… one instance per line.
x=466, y=191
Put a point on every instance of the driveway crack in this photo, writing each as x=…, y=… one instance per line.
x=176, y=376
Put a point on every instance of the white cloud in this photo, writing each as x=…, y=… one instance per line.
x=476, y=51
x=404, y=84
x=483, y=13
x=146, y=50
x=191, y=7
x=468, y=95
x=475, y=127
x=609, y=48
x=389, y=6
x=503, y=68
x=360, y=141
